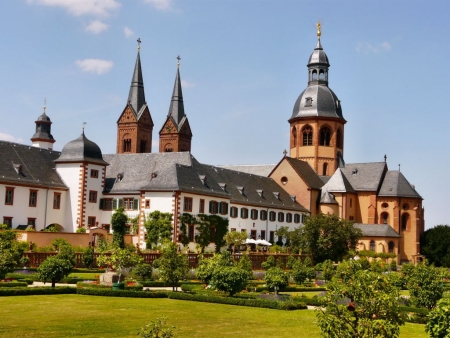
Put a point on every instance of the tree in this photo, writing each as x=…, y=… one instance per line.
x=276, y=279
x=364, y=306
x=88, y=257
x=159, y=227
x=299, y=272
x=230, y=279
x=245, y=263
x=435, y=245
x=438, y=324
x=235, y=238
x=207, y=266
x=143, y=270
x=119, y=227
x=156, y=329
x=54, y=269
x=425, y=285
x=330, y=237
x=172, y=266
x=328, y=270
x=9, y=252
x=121, y=260
x=211, y=227
x=269, y=263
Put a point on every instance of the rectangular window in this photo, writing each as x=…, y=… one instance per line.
x=201, y=208
x=32, y=222
x=56, y=200
x=191, y=233
x=280, y=217
x=188, y=204
x=272, y=237
x=128, y=203
x=92, y=196
x=147, y=204
x=289, y=217
x=233, y=229
x=9, y=196
x=91, y=221
x=32, y=201
x=263, y=234
x=254, y=214
x=351, y=218
x=8, y=221
x=272, y=216
x=263, y=215
x=106, y=227
x=243, y=230
x=94, y=173
x=106, y=204
x=213, y=234
x=213, y=207
x=244, y=213
x=223, y=208
x=296, y=218
x=253, y=234
x=233, y=212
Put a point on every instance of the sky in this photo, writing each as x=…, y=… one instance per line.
x=243, y=65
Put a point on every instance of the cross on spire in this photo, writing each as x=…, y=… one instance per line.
x=84, y=123
x=178, y=58
x=45, y=104
x=139, y=43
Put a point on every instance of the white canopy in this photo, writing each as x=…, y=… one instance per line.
x=262, y=242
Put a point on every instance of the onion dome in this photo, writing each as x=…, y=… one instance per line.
x=43, y=129
x=81, y=150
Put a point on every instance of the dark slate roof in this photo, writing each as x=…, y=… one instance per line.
x=365, y=176
x=43, y=118
x=306, y=172
x=395, y=184
x=81, y=150
x=377, y=230
x=324, y=103
x=327, y=198
x=338, y=183
x=176, y=109
x=37, y=165
x=255, y=169
x=136, y=97
x=318, y=56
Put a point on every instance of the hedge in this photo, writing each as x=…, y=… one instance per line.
x=191, y=287
x=156, y=284
x=262, y=303
x=13, y=284
x=135, y=287
x=46, y=290
x=120, y=293
x=292, y=289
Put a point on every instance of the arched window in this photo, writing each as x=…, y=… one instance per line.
x=143, y=146
x=325, y=168
x=339, y=139
x=405, y=221
x=126, y=145
x=391, y=246
x=325, y=136
x=307, y=136
x=294, y=137
x=314, y=75
x=372, y=245
x=384, y=218
x=321, y=75
x=168, y=148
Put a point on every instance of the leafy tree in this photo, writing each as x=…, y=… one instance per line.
x=66, y=252
x=119, y=227
x=172, y=266
x=230, y=279
x=10, y=252
x=291, y=260
x=157, y=329
x=211, y=226
x=186, y=219
x=245, y=263
x=54, y=269
x=276, y=279
x=88, y=257
x=235, y=238
x=159, y=227
x=378, y=266
x=425, y=286
x=143, y=270
x=330, y=237
x=121, y=260
x=435, y=245
x=328, y=270
x=364, y=306
x=393, y=265
x=207, y=266
x=269, y=263
x=299, y=272
x=438, y=324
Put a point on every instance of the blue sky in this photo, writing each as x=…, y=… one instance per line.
x=243, y=65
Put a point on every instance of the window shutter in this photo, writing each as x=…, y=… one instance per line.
x=120, y=202
x=210, y=207
x=136, y=204
x=220, y=207
x=101, y=204
x=114, y=203
x=225, y=208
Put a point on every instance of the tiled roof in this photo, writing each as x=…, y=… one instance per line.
x=306, y=172
x=37, y=165
x=377, y=230
x=81, y=150
x=338, y=183
x=395, y=184
x=256, y=169
x=365, y=176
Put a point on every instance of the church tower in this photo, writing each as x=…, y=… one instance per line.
x=176, y=135
x=43, y=138
x=135, y=124
x=317, y=123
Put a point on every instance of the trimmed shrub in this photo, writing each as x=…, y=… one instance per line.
x=120, y=293
x=13, y=284
x=60, y=290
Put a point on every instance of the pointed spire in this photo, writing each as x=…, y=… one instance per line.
x=176, y=109
x=136, y=97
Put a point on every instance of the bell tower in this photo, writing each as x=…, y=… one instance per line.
x=317, y=123
x=43, y=138
x=135, y=124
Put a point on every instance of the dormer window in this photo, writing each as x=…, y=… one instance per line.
x=223, y=186
x=260, y=193
x=241, y=190
x=293, y=198
x=119, y=177
x=308, y=101
x=276, y=194
x=203, y=179
x=18, y=169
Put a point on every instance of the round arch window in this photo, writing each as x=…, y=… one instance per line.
x=405, y=206
x=284, y=180
x=384, y=205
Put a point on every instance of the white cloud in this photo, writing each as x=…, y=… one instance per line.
x=128, y=32
x=96, y=27
x=369, y=48
x=187, y=84
x=82, y=7
x=94, y=65
x=160, y=4
x=10, y=138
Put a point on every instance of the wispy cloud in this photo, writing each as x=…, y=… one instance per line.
x=82, y=7
x=187, y=84
x=162, y=5
x=370, y=48
x=128, y=32
x=10, y=138
x=96, y=27
x=94, y=65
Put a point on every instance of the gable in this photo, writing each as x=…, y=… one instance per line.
x=145, y=118
x=127, y=116
x=185, y=128
x=168, y=127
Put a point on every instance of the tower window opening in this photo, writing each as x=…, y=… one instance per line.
x=339, y=139
x=127, y=145
x=294, y=137
x=308, y=101
x=168, y=148
x=325, y=169
x=314, y=75
x=321, y=75
x=372, y=245
x=143, y=146
x=384, y=218
x=307, y=136
x=405, y=221
x=325, y=136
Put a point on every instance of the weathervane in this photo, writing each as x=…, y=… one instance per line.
x=139, y=44
x=45, y=104
x=178, y=58
x=319, y=32
x=84, y=123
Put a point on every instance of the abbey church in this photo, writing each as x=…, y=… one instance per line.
x=80, y=187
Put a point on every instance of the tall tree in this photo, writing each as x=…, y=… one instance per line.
x=329, y=237
x=9, y=252
x=211, y=228
x=119, y=227
x=235, y=238
x=435, y=245
x=172, y=266
x=159, y=227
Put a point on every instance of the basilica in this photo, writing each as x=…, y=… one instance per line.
x=80, y=187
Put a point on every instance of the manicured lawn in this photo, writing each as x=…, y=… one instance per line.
x=85, y=316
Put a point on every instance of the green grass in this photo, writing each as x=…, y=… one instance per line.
x=85, y=316
x=86, y=275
